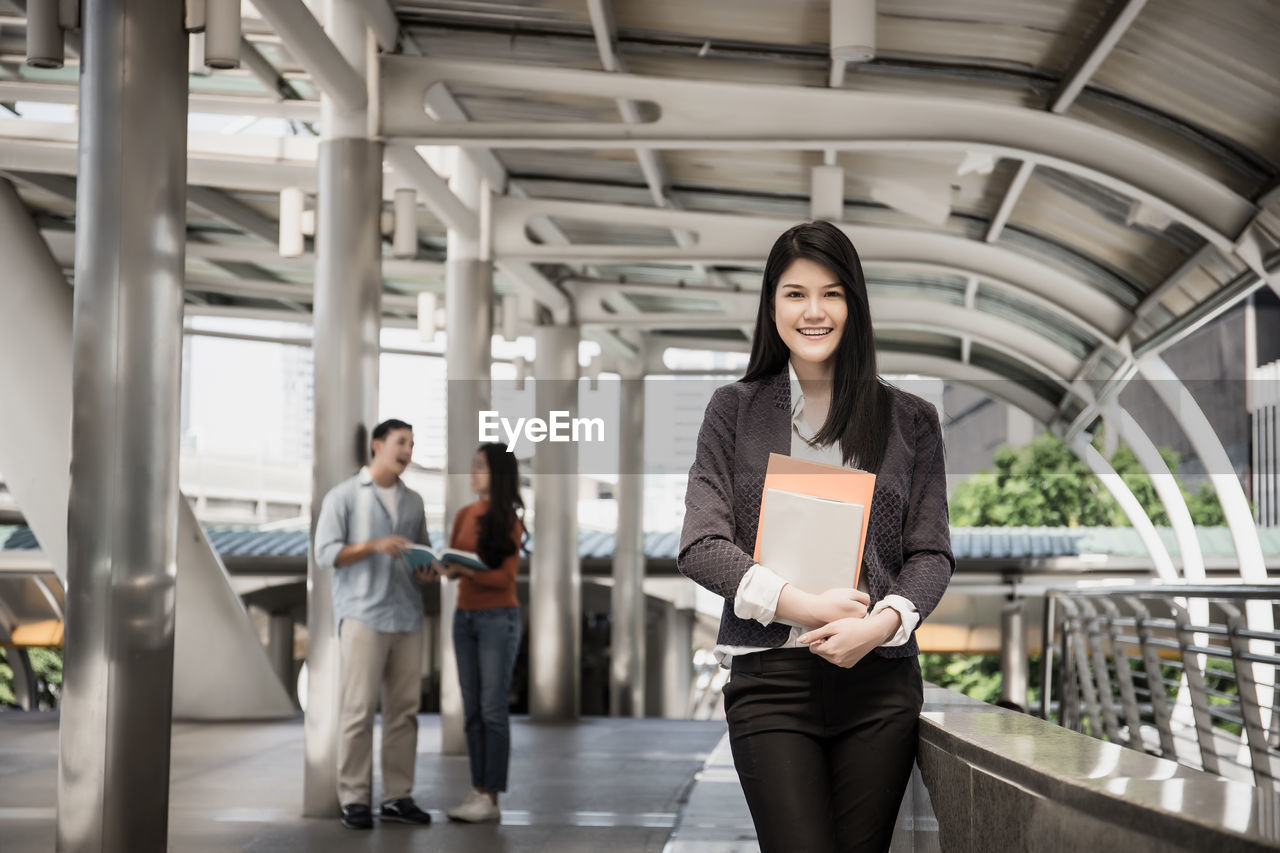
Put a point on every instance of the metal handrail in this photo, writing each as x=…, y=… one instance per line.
x=1112, y=645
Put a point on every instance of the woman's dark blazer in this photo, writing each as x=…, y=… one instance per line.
x=908, y=549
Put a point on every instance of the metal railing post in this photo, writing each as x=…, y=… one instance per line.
x=1046, y=656
x=1160, y=712
x=1124, y=677
x=1084, y=679
x=1247, y=686
x=1110, y=723
x=1196, y=687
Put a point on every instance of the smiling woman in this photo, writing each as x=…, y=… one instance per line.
x=824, y=698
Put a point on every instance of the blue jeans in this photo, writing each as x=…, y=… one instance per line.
x=485, y=642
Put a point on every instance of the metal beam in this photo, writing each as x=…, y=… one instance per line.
x=1019, y=343
x=655, y=176
x=1082, y=70
x=382, y=21
x=268, y=76
x=1208, y=447
x=67, y=93
x=600, y=288
x=713, y=115
x=1120, y=16
x=305, y=341
x=1157, y=293
x=1129, y=505
x=1207, y=310
x=433, y=189
x=1244, y=532
x=306, y=40
x=1167, y=489
x=896, y=362
x=213, y=159
x=281, y=315
x=525, y=276
x=211, y=169
x=1010, y=200
x=62, y=244
x=234, y=212
x=264, y=289
x=738, y=240
x=537, y=285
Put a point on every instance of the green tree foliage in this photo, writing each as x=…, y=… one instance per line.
x=1043, y=484
x=46, y=664
x=1205, y=507
x=976, y=676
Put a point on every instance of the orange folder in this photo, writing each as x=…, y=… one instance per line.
x=816, y=479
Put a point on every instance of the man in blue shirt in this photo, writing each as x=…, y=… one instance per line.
x=365, y=523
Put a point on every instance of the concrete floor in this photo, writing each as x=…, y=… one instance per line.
x=600, y=784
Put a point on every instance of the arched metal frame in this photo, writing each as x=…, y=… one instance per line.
x=719, y=115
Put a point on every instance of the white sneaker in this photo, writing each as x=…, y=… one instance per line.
x=476, y=808
x=472, y=795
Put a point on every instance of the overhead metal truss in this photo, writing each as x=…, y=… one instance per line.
x=413, y=103
x=702, y=114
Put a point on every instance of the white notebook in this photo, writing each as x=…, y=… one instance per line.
x=810, y=542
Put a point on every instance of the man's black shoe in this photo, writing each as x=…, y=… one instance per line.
x=357, y=816
x=403, y=810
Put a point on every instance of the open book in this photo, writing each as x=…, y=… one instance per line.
x=420, y=556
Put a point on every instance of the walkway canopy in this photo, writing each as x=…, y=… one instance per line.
x=1041, y=192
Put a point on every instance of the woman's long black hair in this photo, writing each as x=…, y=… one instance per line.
x=505, y=506
x=860, y=413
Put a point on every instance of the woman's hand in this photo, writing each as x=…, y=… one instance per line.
x=453, y=571
x=804, y=608
x=426, y=573
x=844, y=642
x=840, y=603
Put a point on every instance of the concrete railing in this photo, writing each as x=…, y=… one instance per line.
x=991, y=779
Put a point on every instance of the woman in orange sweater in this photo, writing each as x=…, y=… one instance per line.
x=486, y=625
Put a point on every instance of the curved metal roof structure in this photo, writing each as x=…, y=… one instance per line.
x=1041, y=192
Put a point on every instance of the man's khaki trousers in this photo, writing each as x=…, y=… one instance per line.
x=373, y=663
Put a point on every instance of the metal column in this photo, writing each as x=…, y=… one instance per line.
x=347, y=322
x=677, y=660
x=555, y=585
x=468, y=356
x=122, y=521
x=1013, y=654
x=280, y=648
x=626, y=659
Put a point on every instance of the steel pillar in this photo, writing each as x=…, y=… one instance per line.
x=1013, y=654
x=468, y=357
x=122, y=519
x=627, y=644
x=555, y=604
x=347, y=323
